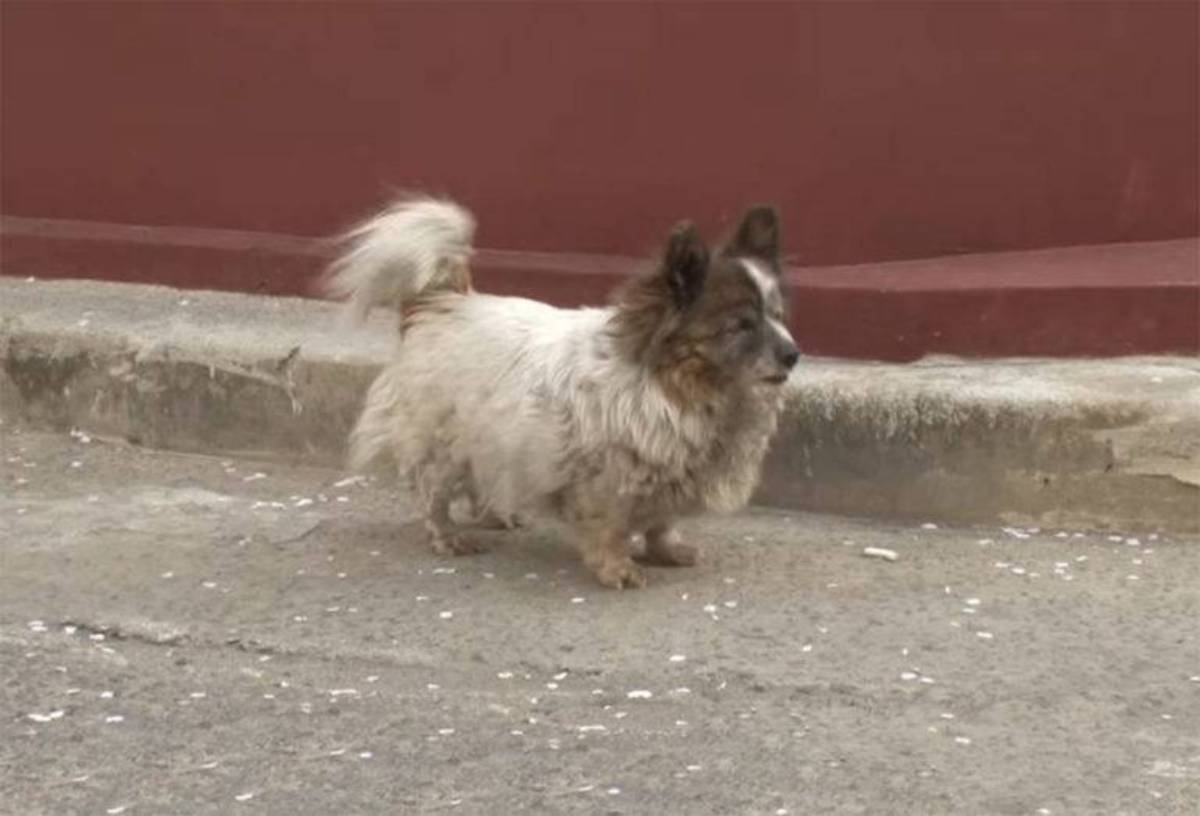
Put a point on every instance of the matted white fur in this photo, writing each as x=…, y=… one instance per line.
x=520, y=396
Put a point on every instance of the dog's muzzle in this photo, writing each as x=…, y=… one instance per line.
x=785, y=358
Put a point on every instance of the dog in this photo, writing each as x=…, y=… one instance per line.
x=618, y=421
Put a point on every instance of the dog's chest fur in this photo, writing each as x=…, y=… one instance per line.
x=625, y=438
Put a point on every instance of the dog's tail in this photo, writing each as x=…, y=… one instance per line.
x=416, y=246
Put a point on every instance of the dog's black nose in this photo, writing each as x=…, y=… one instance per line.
x=789, y=356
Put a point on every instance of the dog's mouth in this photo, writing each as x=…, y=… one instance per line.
x=775, y=379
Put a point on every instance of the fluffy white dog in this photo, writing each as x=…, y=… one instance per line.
x=617, y=421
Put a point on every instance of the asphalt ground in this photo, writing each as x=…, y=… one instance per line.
x=185, y=635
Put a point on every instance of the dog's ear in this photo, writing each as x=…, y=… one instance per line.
x=685, y=263
x=758, y=235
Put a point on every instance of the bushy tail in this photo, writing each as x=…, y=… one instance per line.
x=415, y=246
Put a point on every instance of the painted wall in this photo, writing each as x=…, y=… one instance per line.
x=883, y=130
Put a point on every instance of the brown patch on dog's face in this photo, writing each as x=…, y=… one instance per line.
x=704, y=323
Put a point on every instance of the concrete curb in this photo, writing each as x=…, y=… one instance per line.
x=1107, y=443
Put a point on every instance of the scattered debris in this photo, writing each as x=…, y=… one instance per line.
x=880, y=552
x=45, y=718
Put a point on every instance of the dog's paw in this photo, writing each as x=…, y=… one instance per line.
x=618, y=573
x=670, y=554
x=454, y=544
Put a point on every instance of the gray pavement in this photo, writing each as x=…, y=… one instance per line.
x=185, y=634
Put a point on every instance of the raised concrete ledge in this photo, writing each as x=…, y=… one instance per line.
x=195, y=371
x=1046, y=442
x=1104, y=443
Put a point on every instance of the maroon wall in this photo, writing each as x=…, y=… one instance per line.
x=883, y=130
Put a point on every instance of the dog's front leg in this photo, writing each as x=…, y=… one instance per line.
x=605, y=550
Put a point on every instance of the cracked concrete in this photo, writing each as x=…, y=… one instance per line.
x=1068, y=442
x=189, y=634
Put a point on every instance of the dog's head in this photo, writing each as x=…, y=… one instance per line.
x=707, y=321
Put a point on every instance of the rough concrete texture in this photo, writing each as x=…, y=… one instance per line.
x=1025, y=441
x=186, y=635
x=1112, y=442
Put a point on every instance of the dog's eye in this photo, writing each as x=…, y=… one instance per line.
x=745, y=324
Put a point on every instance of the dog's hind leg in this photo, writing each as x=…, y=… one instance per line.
x=439, y=483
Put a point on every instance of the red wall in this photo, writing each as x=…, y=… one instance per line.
x=883, y=130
